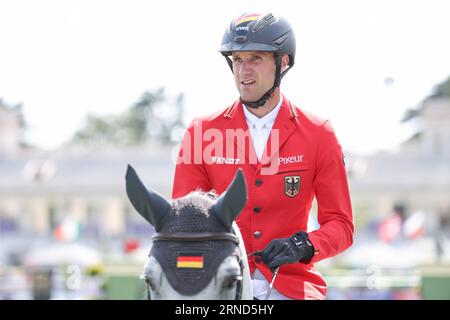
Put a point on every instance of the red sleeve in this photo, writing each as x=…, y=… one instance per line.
x=190, y=173
x=331, y=190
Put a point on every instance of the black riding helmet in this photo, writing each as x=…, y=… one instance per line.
x=260, y=32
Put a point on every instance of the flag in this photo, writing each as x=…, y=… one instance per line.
x=390, y=228
x=68, y=230
x=190, y=261
x=414, y=226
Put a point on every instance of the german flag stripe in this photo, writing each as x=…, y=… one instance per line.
x=190, y=258
x=247, y=17
x=190, y=264
x=190, y=261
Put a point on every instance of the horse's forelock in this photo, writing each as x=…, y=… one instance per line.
x=199, y=199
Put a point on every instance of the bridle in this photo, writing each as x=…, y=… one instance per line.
x=204, y=236
x=198, y=236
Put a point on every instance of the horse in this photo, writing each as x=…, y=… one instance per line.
x=197, y=252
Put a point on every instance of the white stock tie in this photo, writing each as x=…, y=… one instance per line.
x=261, y=139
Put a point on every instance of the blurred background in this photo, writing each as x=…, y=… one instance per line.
x=87, y=87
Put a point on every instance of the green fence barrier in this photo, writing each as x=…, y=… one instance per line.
x=436, y=282
x=123, y=283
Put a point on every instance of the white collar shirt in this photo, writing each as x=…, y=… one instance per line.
x=260, y=127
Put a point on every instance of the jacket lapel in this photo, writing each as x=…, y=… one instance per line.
x=237, y=121
x=285, y=124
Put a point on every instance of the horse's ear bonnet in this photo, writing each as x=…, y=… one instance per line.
x=190, y=218
x=189, y=281
x=150, y=204
x=232, y=201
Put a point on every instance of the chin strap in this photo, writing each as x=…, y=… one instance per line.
x=269, y=94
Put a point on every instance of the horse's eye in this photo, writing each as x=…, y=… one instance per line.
x=230, y=282
x=149, y=282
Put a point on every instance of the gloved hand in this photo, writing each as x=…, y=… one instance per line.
x=296, y=248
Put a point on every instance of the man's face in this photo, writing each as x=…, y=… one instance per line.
x=254, y=73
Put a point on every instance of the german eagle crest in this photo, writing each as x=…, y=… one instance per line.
x=291, y=186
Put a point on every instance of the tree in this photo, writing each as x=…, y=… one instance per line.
x=442, y=89
x=12, y=128
x=153, y=117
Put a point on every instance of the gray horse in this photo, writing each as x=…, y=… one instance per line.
x=197, y=252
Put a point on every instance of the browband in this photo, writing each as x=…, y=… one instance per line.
x=200, y=236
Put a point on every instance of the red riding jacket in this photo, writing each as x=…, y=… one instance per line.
x=303, y=159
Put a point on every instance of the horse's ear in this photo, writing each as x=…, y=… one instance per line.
x=232, y=201
x=149, y=203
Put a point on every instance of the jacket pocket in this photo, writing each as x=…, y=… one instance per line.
x=293, y=168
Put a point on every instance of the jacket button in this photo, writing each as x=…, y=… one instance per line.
x=257, y=234
x=257, y=209
x=258, y=182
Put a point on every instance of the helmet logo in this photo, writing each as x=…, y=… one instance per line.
x=243, y=28
x=241, y=32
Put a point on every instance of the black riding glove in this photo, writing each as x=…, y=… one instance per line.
x=296, y=248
